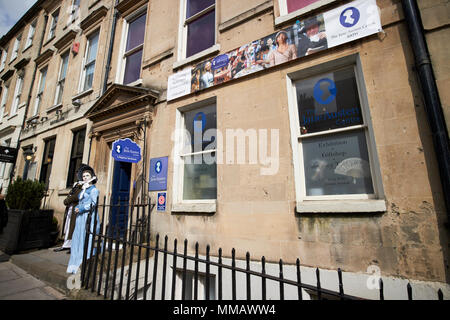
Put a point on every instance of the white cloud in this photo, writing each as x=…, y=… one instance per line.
x=11, y=11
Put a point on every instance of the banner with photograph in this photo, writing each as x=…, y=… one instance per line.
x=350, y=22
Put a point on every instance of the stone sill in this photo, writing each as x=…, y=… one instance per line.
x=194, y=207
x=341, y=206
x=214, y=49
x=82, y=94
x=53, y=108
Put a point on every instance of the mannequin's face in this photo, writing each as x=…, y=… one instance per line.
x=87, y=176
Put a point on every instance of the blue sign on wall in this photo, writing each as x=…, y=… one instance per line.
x=162, y=199
x=126, y=150
x=158, y=174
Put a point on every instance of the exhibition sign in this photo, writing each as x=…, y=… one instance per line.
x=355, y=20
x=126, y=150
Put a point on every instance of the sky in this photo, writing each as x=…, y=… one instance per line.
x=11, y=11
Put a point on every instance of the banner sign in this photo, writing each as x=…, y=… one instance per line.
x=8, y=155
x=350, y=22
x=126, y=151
x=158, y=174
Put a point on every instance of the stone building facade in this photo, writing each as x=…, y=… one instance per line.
x=278, y=202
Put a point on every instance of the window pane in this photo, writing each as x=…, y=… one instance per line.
x=337, y=164
x=92, y=52
x=197, y=123
x=136, y=32
x=65, y=60
x=200, y=180
x=328, y=101
x=89, y=77
x=195, y=6
x=294, y=5
x=133, y=67
x=43, y=77
x=201, y=34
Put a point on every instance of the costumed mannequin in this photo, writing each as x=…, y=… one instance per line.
x=70, y=202
x=87, y=199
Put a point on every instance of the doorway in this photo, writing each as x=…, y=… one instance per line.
x=120, y=197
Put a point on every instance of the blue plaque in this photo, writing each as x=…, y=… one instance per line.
x=126, y=151
x=158, y=174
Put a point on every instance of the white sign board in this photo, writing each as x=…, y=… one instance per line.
x=179, y=84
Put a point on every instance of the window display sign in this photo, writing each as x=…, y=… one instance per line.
x=350, y=22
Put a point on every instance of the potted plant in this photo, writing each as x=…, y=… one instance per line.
x=28, y=227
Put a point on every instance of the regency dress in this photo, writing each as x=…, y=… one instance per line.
x=87, y=198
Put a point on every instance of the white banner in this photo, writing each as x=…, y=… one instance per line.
x=179, y=84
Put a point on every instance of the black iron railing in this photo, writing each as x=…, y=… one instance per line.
x=117, y=249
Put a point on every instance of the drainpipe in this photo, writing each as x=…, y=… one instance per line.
x=29, y=96
x=111, y=44
x=433, y=105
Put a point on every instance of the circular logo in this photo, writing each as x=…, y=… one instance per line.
x=158, y=167
x=161, y=200
x=325, y=96
x=350, y=17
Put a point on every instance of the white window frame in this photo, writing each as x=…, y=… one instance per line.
x=285, y=16
x=61, y=81
x=17, y=93
x=3, y=61
x=74, y=11
x=334, y=203
x=53, y=24
x=31, y=33
x=82, y=81
x=37, y=105
x=16, y=47
x=3, y=102
x=183, y=30
x=179, y=204
x=123, y=55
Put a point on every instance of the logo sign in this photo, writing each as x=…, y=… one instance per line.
x=220, y=62
x=126, y=151
x=8, y=155
x=158, y=174
x=350, y=17
x=162, y=199
x=325, y=96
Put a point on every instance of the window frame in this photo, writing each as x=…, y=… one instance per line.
x=3, y=59
x=183, y=31
x=72, y=166
x=286, y=16
x=120, y=78
x=44, y=163
x=61, y=81
x=85, y=65
x=17, y=94
x=74, y=11
x=3, y=102
x=334, y=203
x=53, y=24
x=179, y=204
x=16, y=48
x=31, y=34
x=39, y=94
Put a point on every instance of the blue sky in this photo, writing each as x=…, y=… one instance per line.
x=11, y=11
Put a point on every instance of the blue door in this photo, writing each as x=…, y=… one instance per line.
x=120, y=195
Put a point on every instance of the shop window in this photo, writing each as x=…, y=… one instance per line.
x=198, y=26
x=336, y=156
x=47, y=161
x=196, y=176
x=31, y=33
x=17, y=94
x=3, y=102
x=53, y=24
x=89, y=62
x=76, y=156
x=133, y=47
x=41, y=88
x=16, y=47
x=62, y=78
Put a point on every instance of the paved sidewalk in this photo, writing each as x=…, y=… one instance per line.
x=16, y=284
